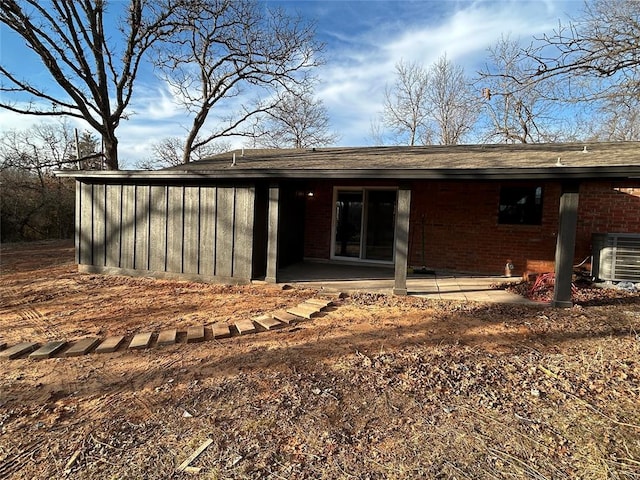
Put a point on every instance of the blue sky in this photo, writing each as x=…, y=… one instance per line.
x=364, y=40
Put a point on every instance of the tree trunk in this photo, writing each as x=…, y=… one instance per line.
x=110, y=146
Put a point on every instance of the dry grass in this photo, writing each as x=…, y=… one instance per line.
x=379, y=388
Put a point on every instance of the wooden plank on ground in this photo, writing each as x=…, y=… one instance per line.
x=110, y=344
x=141, y=341
x=285, y=317
x=18, y=350
x=167, y=337
x=3, y=345
x=48, y=350
x=335, y=296
x=194, y=455
x=245, y=326
x=267, y=322
x=220, y=330
x=303, y=311
x=321, y=302
x=82, y=347
x=195, y=334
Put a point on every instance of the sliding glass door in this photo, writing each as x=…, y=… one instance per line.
x=364, y=224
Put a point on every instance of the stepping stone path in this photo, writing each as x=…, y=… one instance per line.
x=195, y=334
x=48, y=350
x=305, y=310
x=220, y=330
x=82, y=347
x=167, y=337
x=18, y=350
x=285, y=317
x=278, y=319
x=268, y=322
x=245, y=326
x=141, y=341
x=110, y=345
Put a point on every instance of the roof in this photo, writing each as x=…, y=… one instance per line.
x=568, y=160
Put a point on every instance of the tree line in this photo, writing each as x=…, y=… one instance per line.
x=579, y=82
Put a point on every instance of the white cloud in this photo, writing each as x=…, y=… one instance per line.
x=355, y=76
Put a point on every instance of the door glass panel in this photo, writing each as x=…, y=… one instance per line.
x=348, y=224
x=380, y=212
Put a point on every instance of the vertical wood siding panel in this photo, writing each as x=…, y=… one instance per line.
x=243, y=233
x=128, y=226
x=224, y=231
x=86, y=224
x=157, y=228
x=78, y=223
x=141, y=247
x=207, y=230
x=191, y=229
x=98, y=225
x=175, y=211
x=112, y=225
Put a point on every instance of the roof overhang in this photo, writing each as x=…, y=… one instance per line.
x=559, y=173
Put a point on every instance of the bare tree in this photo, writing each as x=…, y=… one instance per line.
x=616, y=121
x=406, y=109
x=229, y=48
x=515, y=110
x=453, y=107
x=430, y=106
x=94, y=67
x=168, y=153
x=298, y=121
x=601, y=46
x=33, y=202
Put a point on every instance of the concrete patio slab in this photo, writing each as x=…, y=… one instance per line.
x=380, y=279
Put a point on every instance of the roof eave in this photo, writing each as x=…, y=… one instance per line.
x=531, y=173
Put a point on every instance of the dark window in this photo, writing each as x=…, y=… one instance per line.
x=520, y=205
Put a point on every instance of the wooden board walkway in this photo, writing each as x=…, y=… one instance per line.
x=18, y=350
x=141, y=341
x=270, y=321
x=48, y=350
x=220, y=330
x=195, y=334
x=82, y=347
x=110, y=344
x=167, y=337
x=245, y=326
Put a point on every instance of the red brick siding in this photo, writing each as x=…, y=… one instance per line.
x=607, y=207
x=461, y=230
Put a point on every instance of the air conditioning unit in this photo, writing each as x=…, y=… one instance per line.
x=616, y=257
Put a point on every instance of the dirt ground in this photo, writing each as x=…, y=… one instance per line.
x=377, y=387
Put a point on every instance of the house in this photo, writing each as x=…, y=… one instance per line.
x=244, y=215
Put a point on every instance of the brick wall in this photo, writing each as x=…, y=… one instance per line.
x=607, y=207
x=454, y=225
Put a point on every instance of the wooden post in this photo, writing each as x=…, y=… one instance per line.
x=272, y=234
x=402, y=240
x=566, y=245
